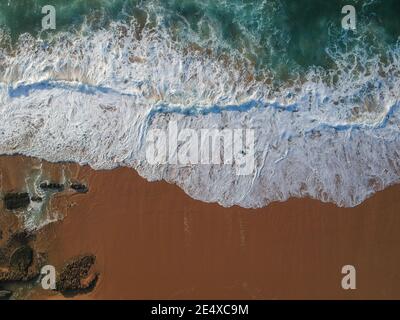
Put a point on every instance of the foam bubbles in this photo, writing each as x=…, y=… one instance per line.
x=91, y=97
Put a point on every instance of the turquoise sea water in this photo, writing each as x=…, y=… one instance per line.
x=282, y=36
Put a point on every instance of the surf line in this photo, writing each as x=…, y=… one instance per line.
x=160, y=310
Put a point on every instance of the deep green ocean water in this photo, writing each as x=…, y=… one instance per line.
x=285, y=36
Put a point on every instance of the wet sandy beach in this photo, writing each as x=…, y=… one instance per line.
x=152, y=241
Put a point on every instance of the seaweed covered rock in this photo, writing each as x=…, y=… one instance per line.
x=13, y=201
x=21, y=258
x=76, y=277
x=18, y=261
x=51, y=186
x=78, y=187
x=36, y=199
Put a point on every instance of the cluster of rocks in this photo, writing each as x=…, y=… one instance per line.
x=21, y=200
x=18, y=261
x=17, y=258
x=51, y=186
x=76, y=276
x=58, y=187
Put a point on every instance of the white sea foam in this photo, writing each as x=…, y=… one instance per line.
x=92, y=97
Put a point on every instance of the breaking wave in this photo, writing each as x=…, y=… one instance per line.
x=90, y=96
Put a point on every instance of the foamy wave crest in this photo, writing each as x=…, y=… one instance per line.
x=92, y=97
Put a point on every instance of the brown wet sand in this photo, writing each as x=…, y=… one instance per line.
x=152, y=241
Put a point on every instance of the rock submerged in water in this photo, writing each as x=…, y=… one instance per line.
x=51, y=186
x=76, y=278
x=21, y=258
x=13, y=201
x=36, y=199
x=79, y=187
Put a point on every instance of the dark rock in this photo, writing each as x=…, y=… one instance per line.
x=57, y=187
x=14, y=201
x=75, y=276
x=5, y=294
x=21, y=258
x=8, y=275
x=20, y=238
x=3, y=256
x=36, y=199
x=78, y=187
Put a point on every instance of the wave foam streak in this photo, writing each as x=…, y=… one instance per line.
x=91, y=98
